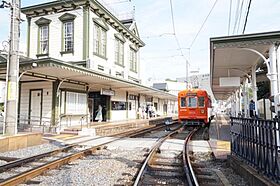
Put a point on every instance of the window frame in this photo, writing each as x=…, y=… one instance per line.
x=99, y=37
x=133, y=60
x=184, y=98
x=189, y=101
x=75, y=106
x=64, y=23
x=65, y=18
x=40, y=31
x=199, y=100
x=119, y=52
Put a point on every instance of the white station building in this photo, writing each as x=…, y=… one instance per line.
x=80, y=56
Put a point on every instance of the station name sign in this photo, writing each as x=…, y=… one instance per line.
x=107, y=92
x=229, y=81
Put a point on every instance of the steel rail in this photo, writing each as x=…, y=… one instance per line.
x=190, y=175
x=21, y=161
x=152, y=151
x=29, y=174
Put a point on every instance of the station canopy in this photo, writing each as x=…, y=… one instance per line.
x=52, y=69
x=232, y=58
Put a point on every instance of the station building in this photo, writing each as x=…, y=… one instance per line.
x=80, y=56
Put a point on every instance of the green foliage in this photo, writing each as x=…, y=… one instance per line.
x=263, y=89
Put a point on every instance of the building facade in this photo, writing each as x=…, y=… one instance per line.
x=80, y=57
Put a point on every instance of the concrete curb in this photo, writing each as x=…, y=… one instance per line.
x=249, y=173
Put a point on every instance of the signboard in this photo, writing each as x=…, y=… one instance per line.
x=107, y=92
x=229, y=81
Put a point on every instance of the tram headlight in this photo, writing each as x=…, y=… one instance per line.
x=202, y=111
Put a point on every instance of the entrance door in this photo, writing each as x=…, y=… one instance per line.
x=35, y=109
x=102, y=100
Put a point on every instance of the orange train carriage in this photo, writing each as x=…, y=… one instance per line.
x=194, y=107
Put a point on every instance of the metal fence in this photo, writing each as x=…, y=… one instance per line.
x=256, y=141
x=28, y=123
x=35, y=124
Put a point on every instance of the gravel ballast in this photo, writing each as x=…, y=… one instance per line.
x=30, y=151
x=107, y=167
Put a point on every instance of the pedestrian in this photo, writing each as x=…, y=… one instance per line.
x=252, y=108
x=99, y=114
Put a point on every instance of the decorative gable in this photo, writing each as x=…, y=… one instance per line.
x=101, y=23
x=120, y=37
x=43, y=21
x=134, y=29
x=67, y=17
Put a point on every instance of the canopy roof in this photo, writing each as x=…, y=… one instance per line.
x=232, y=56
x=52, y=69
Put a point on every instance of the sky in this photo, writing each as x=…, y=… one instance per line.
x=162, y=58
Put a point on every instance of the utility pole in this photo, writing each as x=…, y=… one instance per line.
x=187, y=74
x=11, y=101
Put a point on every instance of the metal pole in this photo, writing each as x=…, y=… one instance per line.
x=273, y=75
x=255, y=88
x=11, y=112
x=187, y=74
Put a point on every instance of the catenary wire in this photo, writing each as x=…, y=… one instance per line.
x=246, y=19
x=203, y=24
x=229, y=17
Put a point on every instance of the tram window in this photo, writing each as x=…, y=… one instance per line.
x=183, y=102
x=192, y=102
x=201, y=102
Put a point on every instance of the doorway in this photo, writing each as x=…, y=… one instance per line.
x=35, y=106
x=102, y=100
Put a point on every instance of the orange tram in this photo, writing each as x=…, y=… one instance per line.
x=194, y=107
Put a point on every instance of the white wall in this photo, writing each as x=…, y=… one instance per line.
x=117, y=115
x=47, y=98
x=55, y=33
x=109, y=63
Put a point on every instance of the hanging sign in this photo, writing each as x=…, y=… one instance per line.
x=107, y=92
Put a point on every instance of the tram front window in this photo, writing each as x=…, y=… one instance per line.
x=183, y=102
x=192, y=102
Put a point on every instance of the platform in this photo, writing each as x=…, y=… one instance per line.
x=105, y=128
x=19, y=141
x=219, y=133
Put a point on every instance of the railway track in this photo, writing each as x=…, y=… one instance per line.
x=197, y=172
x=163, y=166
x=23, y=170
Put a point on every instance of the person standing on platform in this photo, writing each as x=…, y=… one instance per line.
x=252, y=108
x=99, y=114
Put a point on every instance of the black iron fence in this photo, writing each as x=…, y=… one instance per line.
x=257, y=142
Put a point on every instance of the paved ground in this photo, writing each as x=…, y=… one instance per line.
x=219, y=133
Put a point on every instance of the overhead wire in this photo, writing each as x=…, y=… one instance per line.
x=236, y=16
x=240, y=15
x=174, y=31
x=229, y=17
x=247, y=14
x=203, y=24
